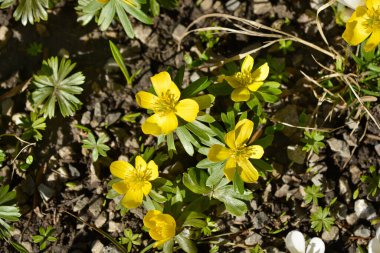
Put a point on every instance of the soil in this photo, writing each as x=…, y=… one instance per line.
x=59, y=158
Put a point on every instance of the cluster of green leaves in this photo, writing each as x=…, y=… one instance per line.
x=9, y=212
x=54, y=84
x=313, y=193
x=45, y=237
x=313, y=141
x=129, y=239
x=32, y=126
x=28, y=11
x=98, y=146
x=371, y=180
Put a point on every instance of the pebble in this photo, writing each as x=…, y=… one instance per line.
x=5, y=35
x=362, y=231
x=339, y=146
x=352, y=218
x=114, y=227
x=280, y=193
x=331, y=235
x=318, y=180
x=98, y=247
x=96, y=207
x=344, y=189
x=142, y=32
x=101, y=220
x=80, y=204
x=364, y=209
x=253, y=240
x=65, y=153
x=111, y=118
x=7, y=106
x=261, y=7
x=206, y=4
x=377, y=149
x=355, y=174
x=232, y=5
x=259, y=220
x=46, y=192
x=86, y=118
x=178, y=32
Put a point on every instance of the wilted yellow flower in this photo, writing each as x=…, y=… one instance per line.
x=238, y=153
x=135, y=180
x=364, y=22
x=246, y=81
x=161, y=226
x=166, y=106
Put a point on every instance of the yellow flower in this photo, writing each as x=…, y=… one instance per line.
x=166, y=106
x=161, y=226
x=238, y=153
x=246, y=81
x=364, y=22
x=135, y=180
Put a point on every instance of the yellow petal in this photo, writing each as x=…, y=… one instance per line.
x=230, y=168
x=255, y=86
x=163, y=84
x=261, y=73
x=187, y=109
x=247, y=65
x=146, y=100
x=132, y=198
x=256, y=151
x=356, y=30
x=373, y=41
x=120, y=187
x=121, y=169
x=243, y=131
x=158, y=124
x=248, y=173
x=152, y=169
x=146, y=187
x=229, y=139
x=140, y=163
x=240, y=94
x=372, y=4
x=159, y=243
x=218, y=153
x=233, y=82
x=150, y=218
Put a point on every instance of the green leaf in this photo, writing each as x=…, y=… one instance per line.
x=137, y=13
x=185, y=141
x=195, y=180
x=168, y=246
x=238, y=183
x=119, y=59
x=231, y=199
x=216, y=174
x=186, y=244
x=204, y=101
x=124, y=21
x=194, y=88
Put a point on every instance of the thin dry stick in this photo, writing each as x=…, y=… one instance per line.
x=255, y=25
x=319, y=25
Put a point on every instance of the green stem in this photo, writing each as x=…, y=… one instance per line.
x=147, y=248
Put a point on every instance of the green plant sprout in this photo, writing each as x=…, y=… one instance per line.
x=313, y=141
x=210, y=227
x=130, y=239
x=54, y=84
x=321, y=219
x=32, y=126
x=3, y=156
x=34, y=49
x=120, y=62
x=98, y=147
x=372, y=180
x=45, y=237
x=313, y=193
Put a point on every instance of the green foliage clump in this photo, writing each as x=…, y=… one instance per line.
x=45, y=237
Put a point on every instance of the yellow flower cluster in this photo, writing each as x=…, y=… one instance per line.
x=237, y=154
x=364, y=23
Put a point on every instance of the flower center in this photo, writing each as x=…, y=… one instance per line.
x=142, y=174
x=373, y=20
x=244, y=78
x=165, y=103
x=242, y=152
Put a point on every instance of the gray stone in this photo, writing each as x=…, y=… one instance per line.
x=65, y=153
x=97, y=247
x=259, y=220
x=339, y=146
x=364, y=209
x=80, y=204
x=86, y=118
x=114, y=227
x=280, y=193
x=74, y=172
x=206, y=5
x=352, y=218
x=46, y=192
x=232, y=5
x=178, y=32
x=362, y=231
x=344, y=189
x=142, y=32
x=96, y=207
x=296, y=154
x=5, y=35
x=261, y=7
x=331, y=235
x=112, y=118
x=377, y=149
x=101, y=220
x=110, y=249
x=7, y=106
x=355, y=174
x=253, y=240
x=318, y=180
